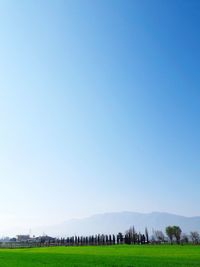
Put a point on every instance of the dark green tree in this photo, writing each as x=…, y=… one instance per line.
x=170, y=233
x=147, y=235
x=177, y=233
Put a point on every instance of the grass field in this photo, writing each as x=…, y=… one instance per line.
x=129, y=256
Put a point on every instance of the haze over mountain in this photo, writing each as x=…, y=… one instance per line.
x=119, y=222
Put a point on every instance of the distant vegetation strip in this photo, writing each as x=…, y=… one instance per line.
x=173, y=235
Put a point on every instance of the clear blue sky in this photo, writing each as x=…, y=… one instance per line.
x=99, y=108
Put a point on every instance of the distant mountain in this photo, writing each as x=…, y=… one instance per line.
x=120, y=221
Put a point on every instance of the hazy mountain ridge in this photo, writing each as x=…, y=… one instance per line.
x=120, y=221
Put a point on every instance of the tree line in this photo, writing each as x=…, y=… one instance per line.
x=173, y=234
x=131, y=236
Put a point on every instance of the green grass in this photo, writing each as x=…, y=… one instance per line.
x=129, y=256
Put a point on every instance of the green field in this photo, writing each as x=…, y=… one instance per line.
x=164, y=255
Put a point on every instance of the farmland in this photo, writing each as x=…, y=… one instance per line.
x=122, y=255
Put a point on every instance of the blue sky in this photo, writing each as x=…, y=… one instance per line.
x=99, y=108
